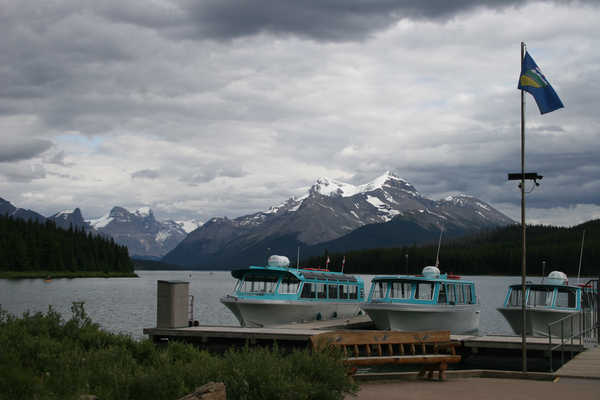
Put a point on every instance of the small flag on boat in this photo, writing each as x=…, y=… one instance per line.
x=327, y=262
x=343, y=262
x=533, y=81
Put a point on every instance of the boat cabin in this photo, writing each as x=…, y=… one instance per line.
x=553, y=292
x=429, y=288
x=297, y=284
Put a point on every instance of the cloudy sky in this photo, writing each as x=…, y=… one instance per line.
x=226, y=107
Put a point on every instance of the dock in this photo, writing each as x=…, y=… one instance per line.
x=216, y=337
x=585, y=365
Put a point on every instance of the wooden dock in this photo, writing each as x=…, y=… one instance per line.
x=298, y=334
x=585, y=365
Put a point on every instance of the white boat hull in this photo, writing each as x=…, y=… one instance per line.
x=458, y=319
x=537, y=321
x=265, y=313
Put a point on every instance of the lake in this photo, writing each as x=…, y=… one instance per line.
x=127, y=305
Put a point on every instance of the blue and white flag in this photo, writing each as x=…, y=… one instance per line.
x=533, y=81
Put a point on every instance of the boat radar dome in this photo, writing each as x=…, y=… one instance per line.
x=431, y=272
x=279, y=261
x=557, y=278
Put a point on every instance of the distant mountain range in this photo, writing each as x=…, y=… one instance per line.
x=334, y=216
x=140, y=231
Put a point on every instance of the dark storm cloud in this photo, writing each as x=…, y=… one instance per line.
x=145, y=174
x=335, y=20
x=20, y=150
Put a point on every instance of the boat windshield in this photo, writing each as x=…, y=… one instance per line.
x=289, y=285
x=565, y=298
x=400, y=289
x=424, y=291
x=258, y=284
x=540, y=296
x=516, y=294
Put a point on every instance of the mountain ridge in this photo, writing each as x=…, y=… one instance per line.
x=331, y=210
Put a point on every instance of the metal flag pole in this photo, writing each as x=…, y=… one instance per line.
x=523, y=263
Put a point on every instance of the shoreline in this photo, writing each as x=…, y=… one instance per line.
x=49, y=275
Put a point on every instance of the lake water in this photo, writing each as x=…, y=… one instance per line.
x=127, y=305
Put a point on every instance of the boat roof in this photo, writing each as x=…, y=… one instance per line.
x=421, y=278
x=300, y=273
x=548, y=285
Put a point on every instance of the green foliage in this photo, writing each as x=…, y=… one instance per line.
x=28, y=246
x=496, y=252
x=44, y=357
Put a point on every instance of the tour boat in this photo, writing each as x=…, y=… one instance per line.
x=549, y=301
x=278, y=294
x=431, y=301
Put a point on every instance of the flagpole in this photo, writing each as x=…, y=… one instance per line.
x=523, y=263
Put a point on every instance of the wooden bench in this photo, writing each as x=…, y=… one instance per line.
x=432, y=349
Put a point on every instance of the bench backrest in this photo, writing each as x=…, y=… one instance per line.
x=384, y=342
x=379, y=337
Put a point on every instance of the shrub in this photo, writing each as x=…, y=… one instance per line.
x=44, y=357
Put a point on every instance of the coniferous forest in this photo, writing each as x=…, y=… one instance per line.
x=32, y=246
x=495, y=252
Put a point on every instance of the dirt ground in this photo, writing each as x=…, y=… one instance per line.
x=481, y=388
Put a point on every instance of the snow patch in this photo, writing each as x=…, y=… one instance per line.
x=100, y=222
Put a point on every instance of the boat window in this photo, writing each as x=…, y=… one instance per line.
x=468, y=295
x=424, y=291
x=586, y=299
x=321, y=290
x=258, y=284
x=289, y=285
x=442, y=295
x=333, y=291
x=565, y=298
x=308, y=290
x=344, y=291
x=515, y=297
x=460, y=299
x=379, y=290
x=353, y=292
x=451, y=293
x=540, y=296
x=400, y=290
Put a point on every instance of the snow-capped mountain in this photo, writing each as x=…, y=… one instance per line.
x=330, y=210
x=139, y=230
x=70, y=218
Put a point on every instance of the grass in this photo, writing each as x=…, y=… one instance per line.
x=64, y=274
x=43, y=357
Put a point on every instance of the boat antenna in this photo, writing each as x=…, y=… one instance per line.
x=298, y=259
x=543, y=268
x=437, y=256
x=580, y=256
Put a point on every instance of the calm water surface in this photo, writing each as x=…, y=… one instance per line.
x=127, y=305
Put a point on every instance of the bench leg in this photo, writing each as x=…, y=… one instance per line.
x=442, y=371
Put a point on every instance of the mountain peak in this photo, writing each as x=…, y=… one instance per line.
x=331, y=187
x=144, y=212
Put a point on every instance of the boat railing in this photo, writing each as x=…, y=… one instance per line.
x=582, y=328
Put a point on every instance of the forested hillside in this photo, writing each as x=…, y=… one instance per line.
x=495, y=252
x=33, y=246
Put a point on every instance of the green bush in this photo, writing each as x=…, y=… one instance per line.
x=44, y=357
